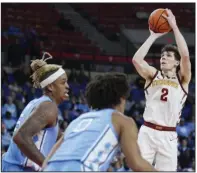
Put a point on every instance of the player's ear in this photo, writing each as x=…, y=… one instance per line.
x=177, y=63
x=50, y=87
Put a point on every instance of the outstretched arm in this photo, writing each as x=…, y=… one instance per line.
x=142, y=67
x=185, y=64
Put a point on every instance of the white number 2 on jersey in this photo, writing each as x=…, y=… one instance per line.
x=83, y=125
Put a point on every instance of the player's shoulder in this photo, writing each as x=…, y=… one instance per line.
x=122, y=119
x=47, y=107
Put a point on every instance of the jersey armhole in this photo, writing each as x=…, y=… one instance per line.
x=181, y=84
x=151, y=80
x=112, y=126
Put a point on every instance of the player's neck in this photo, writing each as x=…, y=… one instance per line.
x=119, y=108
x=169, y=73
x=51, y=97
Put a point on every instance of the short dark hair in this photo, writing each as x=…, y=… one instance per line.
x=172, y=48
x=105, y=91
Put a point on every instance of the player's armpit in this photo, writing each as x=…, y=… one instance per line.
x=130, y=148
x=185, y=69
x=60, y=133
x=44, y=116
x=144, y=69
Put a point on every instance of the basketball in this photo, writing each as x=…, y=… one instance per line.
x=157, y=23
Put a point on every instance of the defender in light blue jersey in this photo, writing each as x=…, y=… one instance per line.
x=37, y=129
x=92, y=140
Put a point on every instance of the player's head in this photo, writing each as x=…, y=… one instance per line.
x=51, y=78
x=108, y=91
x=170, y=57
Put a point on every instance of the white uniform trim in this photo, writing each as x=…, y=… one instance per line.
x=52, y=78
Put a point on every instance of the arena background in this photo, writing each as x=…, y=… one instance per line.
x=87, y=39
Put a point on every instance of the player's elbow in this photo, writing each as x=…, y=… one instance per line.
x=185, y=57
x=18, y=137
x=135, y=61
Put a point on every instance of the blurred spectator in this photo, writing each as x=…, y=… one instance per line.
x=13, y=30
x=82, y=78
x=73, y=75
x=191, y=124
x=137, y=91
x=74, y=87
x=73, y=114
x=182, y=129
x=81, y=105
x=9, y=121
x=187, y=110
x=10, y=107
x=185, y=156
x=5, y=137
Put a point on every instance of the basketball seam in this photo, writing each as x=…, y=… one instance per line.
x=151, y=25
x=159, y=18
x=162, y=24
x=152, y=20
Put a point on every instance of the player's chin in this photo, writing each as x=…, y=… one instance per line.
x=65, y=97
x=164, y=67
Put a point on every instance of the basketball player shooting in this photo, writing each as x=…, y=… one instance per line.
x=165, y=92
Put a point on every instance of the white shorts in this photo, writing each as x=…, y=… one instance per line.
x=160, y=147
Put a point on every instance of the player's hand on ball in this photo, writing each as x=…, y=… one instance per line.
x=156, y=35
x=171, y=19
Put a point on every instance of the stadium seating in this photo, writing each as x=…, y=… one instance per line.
x=44, y=19
x=110, y=16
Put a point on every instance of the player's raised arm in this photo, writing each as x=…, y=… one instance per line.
x=185, y=64
x=142, y=67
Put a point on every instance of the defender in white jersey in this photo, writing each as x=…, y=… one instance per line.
x=166, y=92
x=37, y=129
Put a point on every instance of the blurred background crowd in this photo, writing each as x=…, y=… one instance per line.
x=30, y=29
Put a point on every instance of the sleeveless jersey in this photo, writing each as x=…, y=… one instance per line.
x=165, y=98
x=90, y=139
x=44, y=140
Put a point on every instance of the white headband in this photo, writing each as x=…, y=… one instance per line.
x=52, y=78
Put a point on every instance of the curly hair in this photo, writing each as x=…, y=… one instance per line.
x=42, y=70
x=105, y=91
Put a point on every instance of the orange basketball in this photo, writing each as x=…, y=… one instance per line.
x=157, y=23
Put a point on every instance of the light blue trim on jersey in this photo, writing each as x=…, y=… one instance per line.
x=110, y=123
